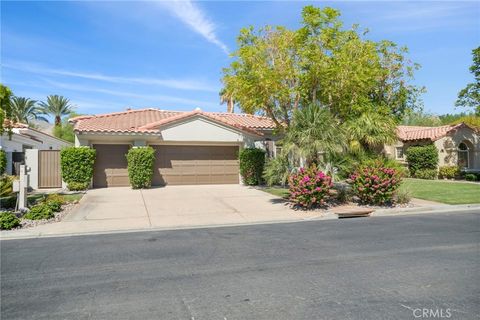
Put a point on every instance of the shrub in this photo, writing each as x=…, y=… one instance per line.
x=39, y=212
x=78, y=186
x=276, y=171
x=3, y=161
x=448, y=172
x=403, y=196
x=8, y=220
x=422, y=157
x=344, y=194
x=309, y=187
x=470, y=177
x=54, y=205
x=8, y=202
x=375, y=185
x=252, y=161
x=140, y=166
x=429, y=174
x=55, y=197
x=77, y=165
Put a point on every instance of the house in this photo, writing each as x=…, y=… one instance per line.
x=192, y=147
x=457, y=144
x=25, y=138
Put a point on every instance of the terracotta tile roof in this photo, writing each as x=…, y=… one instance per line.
x=149, y=121
x=408, y=133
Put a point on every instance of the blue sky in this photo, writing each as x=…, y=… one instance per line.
x=109, y=55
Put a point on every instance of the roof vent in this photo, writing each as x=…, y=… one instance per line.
x=198, y=109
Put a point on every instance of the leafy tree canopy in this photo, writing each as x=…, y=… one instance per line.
x=5, y=109
x=470, y=95
x=277, y=70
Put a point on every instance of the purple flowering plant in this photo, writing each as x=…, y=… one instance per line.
x=309, y=187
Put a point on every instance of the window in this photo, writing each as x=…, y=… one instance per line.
x=462, y=155
x=399, y=152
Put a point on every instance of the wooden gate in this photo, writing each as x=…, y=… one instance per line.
x=49, y=175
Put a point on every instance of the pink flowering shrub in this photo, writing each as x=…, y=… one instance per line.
x=375, y=185
x=309, y=187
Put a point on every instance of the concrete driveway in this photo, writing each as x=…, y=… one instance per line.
x=112, y=209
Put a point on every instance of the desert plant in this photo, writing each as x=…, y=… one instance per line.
x=277, y=170
x=470, y=177
x=6, y=185
x=56, y=106
x=403, y=196
x=3, y=161
x=39, y=212
x=252, y=162
x=448, y=172
x=344, y=193
x=77, y=165
x=8, y=220
x=375, y=185
x=309, y=187
x=140, y=166
x=25, y=110
x=422, y=157
x=428, y=174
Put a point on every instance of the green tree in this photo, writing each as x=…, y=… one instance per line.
x=419, y=118
x=65, y=129
x=25, y=110
x=57, y=106
x=276, y=71
x=6, y=113
x=470, y=95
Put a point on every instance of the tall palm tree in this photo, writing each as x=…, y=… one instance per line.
x=227, y=98
x=313, y=131
x=57, y=106
x=25, y=110
x=370, y=131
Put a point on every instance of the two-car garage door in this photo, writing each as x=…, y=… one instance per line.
x=174, y=165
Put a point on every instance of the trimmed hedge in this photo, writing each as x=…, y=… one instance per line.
x=252, y=162
x=3, y=161
x=77, y=165
x=428, y=174
x=421, y=158
x=140, y=166
x=448, y=172
x=8, y=220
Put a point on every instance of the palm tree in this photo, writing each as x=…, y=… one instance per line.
x=370, y=131
x=314, y=131
x=57, y=106
x=227, y=98
x=25, y=110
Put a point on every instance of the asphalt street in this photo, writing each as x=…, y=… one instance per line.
x=365, y=268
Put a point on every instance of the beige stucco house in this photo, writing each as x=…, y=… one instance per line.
x=193, y=147
x=457, y=144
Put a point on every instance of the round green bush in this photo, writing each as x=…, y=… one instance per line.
x=140, y=166
x=3, y=161
x=448, y=172
x=470, y=177
x=421, y=158
x=252, y=162
x=39, y=212
x=428, y=174
x=8, y=220
x=77, y=164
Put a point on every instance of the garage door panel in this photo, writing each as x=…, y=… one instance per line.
x=196, y=165
x=110, y=169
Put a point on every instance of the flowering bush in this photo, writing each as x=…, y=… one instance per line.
x=309, y=187
x=375, y=185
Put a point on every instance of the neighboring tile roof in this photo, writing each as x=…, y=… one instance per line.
x=149, y=121
x=408, y=133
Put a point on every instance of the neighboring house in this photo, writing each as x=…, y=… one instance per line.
x=457, y=144
x=24, y=138
x=193, y=147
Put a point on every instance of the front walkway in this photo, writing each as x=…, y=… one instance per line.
x=117, y=209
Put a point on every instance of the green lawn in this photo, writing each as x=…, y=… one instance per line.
x=443, y=191
x=277, y=191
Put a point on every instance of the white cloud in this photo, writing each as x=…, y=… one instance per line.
x=183, y=84
x=194, y=17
